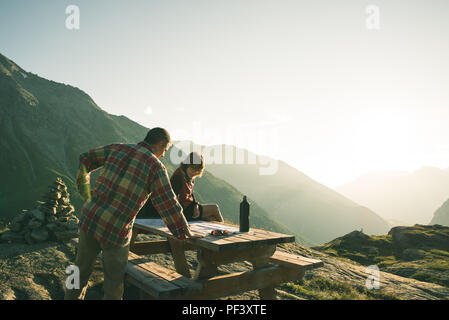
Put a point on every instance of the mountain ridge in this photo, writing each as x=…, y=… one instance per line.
x=311, y=209
x=441, y=216
x=411, y=197
x=45, y=125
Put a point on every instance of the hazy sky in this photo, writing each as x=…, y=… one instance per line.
x=306, y=82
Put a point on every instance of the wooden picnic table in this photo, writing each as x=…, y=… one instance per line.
x=256, y=246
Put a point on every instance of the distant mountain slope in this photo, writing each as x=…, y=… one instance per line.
x=46, y=125
x=408, y=197
x=308, y=208
x=441, y=216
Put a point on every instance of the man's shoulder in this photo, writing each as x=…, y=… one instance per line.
x=120, y=146
x=148, y=155
x=159, y=165
x=155, y=163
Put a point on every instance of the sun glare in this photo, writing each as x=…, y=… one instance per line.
x=382, y=139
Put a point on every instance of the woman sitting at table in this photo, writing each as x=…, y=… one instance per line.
x=183, y=181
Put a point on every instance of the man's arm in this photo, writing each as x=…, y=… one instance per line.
x=83, y=182
x=89, y=162
x=165, y=202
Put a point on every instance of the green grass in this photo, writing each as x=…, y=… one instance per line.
x=440, y=265
x=439, y=252
x=384, y=262
x=324, y=289
x=331, y=252
x=426, y=277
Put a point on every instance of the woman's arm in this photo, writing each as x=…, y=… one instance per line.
x=176, y=184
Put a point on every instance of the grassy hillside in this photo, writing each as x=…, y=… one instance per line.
x=46, y=125
x=420, y=252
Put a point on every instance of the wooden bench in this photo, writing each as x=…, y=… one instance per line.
x=294, y=261
x=157, y=282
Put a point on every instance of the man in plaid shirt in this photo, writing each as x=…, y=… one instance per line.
x=130, y=174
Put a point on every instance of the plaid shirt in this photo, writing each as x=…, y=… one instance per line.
x=130, y=174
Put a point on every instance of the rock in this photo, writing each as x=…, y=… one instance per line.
x=21, y=217
x=356, y=235
x=59, y=182
x=16, y=227
x=38, y=215
x=9, y=236
x=61, y=209
x=25, y=231
x=420, y=236
x=51, y=219
x=49, y=210
x=413, y=254
x=71, y=224
x=52, y=196
x=34, y=223
x=66, y=235
x=53, y=215
x=52, y=227
x=39, y=234
x=66, y=210
x=335, y=269
x=50, y=202
x=28, y=238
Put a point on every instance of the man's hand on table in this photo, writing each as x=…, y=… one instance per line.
x=193, y=235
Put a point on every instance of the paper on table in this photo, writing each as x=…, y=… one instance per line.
x=202, y=227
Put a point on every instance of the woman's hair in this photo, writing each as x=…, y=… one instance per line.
x=194, y=160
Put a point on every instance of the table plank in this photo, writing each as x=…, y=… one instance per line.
x=236, y=239
x=150, y=270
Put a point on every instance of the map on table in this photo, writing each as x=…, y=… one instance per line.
x=202, y=227
x=234, y=239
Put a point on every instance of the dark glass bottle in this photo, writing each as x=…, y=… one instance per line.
x=244, y=215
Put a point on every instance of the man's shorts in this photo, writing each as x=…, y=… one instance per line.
x=188, y=212
x=148, y=211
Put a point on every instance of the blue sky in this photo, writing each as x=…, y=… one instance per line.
x=336, y=98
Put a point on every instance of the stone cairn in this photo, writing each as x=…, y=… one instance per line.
x=53, y=219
